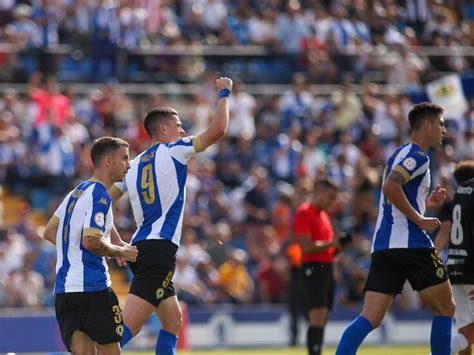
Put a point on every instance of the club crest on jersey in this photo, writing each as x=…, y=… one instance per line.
x=409, y=164
x=99, y=219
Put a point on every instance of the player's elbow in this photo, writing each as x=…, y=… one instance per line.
x=219, y=132
x=90, y=243
x=49, y=233
x=390, y=189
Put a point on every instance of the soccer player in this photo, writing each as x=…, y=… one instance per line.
x=401, y=248
x=156, y=186
x=458, y=228
x=87, y=309
x=314, y=232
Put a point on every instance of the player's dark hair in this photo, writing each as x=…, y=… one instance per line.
x=421, y=112
x=325, y=183
x=464, y=171
x=105, y=145
x=156, y=116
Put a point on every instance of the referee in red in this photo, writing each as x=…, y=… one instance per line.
x=314, y=232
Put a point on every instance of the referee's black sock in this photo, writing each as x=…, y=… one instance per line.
x=315, y=340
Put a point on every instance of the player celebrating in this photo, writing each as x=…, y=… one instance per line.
x=457, y=226
x=87, y=309
x=156, y=186
x=401, y=248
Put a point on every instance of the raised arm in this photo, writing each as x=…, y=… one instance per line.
x=220, y=118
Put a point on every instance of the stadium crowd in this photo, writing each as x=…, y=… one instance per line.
x=241, y=194
x=323, y=38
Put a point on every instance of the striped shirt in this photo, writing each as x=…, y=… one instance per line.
x=393, y=228
x=85, y=211
x=156, y=186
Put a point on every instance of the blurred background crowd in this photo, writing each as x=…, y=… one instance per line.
x=241, y=193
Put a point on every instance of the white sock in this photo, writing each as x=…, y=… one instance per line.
x=458, y=343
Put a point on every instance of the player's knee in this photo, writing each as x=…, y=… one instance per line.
x=82, y=349
x=451, y=308
x=446, y=308
x=173, y=324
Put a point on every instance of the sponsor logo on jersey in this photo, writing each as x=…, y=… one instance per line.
x=103, y=201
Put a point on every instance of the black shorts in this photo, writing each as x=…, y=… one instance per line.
x=390, y=269
x=318, y=285
x=153, y=270
x=96, y=313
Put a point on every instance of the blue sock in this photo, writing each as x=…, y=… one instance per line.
x=126, y=336
x=441, y=335
x=353, y=336
x=166, y=343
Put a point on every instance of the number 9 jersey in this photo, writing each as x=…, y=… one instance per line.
x=461, y=242
x=156, y=185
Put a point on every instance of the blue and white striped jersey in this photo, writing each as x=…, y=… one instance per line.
x=156, y=185
x=85, y=211
x=393, y=228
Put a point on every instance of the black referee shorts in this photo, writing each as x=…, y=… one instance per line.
x=153, y=270
x=318, y=285
x=97, y=314
x=390, y=269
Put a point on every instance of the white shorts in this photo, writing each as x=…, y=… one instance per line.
x=464, y=314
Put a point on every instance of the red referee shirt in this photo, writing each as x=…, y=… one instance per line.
x=316, y=224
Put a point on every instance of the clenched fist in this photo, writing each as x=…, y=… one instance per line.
x=223, y=83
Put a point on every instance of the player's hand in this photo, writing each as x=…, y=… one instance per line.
x=471, y=295
x=436, y=199
x=429, y=224
x=121, y=262
x=223, y=83
x=129, y=252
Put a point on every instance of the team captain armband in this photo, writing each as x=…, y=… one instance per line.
x=54, y=220
x=197, y=144
x=92, y=232
x=403, y=172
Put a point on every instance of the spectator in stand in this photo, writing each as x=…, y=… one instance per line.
x=242, y=107
x=347, y=106
x=25, y=287
x=234, y=279
x=272, y=279
x=24, y=35
x=296, y=104
x=290, y=28
x=52, y=106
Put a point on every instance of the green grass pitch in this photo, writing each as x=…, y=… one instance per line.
x=367, y=350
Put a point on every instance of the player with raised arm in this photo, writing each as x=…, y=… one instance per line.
x=457, y=229
x=156, y=186
x=401, y=249
x=87, y=309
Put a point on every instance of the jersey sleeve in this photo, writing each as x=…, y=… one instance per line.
x=56, y=217
x=301, y=224
x=412, y=165
x=95, y=219
x=183, y=149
